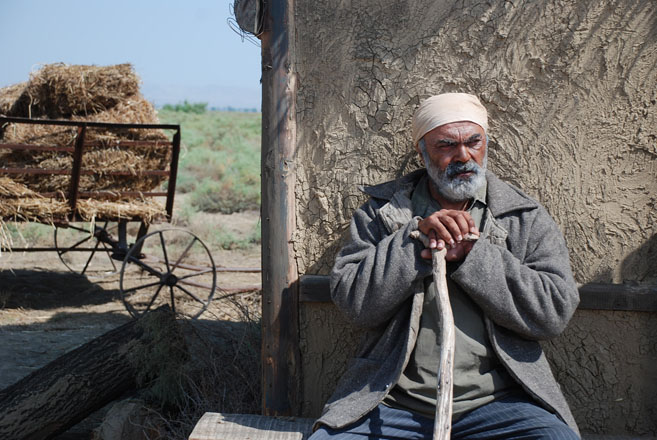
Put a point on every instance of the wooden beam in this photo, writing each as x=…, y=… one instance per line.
x=280, y=333
x=593, y=296
x=602, y=296
x=314, y=288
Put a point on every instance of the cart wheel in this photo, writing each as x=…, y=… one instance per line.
x=170, y=266
x=86, y=251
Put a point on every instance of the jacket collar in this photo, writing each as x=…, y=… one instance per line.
x=502, y=197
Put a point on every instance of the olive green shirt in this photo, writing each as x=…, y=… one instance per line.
x=479, y=377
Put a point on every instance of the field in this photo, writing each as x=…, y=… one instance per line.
x=46, y=310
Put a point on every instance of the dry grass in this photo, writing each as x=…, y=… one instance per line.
x=145, y=209
x=20, y=203
x=220, y=371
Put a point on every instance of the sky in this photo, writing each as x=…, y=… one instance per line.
x=181, y=50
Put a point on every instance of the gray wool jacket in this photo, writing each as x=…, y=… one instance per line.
x=518, y=273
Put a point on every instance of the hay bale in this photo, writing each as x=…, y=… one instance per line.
x=9, y=95
x=61, y=91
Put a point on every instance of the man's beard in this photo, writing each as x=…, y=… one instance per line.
x=453, y=188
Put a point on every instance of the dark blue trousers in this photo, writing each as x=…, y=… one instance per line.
x=513, y=417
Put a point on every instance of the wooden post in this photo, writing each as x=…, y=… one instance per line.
x=173, y=173
x=280, y=333
x=74, y=187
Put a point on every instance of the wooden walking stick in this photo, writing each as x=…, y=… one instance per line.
x=443, y=420
x=442, y=426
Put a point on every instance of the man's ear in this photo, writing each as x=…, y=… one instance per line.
x=421, y=148
x=419, y=145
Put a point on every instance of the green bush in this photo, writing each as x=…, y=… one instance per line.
x=187, y=107
x=230, y=241
x=225, y=196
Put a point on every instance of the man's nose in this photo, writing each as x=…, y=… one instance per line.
x=462, y=154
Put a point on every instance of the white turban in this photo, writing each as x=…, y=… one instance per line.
x=443, y=109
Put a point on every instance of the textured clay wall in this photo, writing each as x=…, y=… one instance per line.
x=570, y=87
x=605, y=363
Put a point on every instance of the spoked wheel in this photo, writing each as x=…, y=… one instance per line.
x=85, y=250
x=171, y=266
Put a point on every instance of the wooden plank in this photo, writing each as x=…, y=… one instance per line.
x=34, y=147
x=129, y=144
x=100, y=194
x=600, y=296
x=69, y=123
x=314, y=288
x=35, y=171
x=593, y=296
x=280, y=327
x=217, y=426
x=83, y=172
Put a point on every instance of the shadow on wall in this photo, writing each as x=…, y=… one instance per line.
x=640, y=266
x=408, y=163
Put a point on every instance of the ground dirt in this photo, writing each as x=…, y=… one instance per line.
x=47, y=310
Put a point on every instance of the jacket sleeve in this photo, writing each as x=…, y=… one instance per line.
x=375, y=271
x=530, y=291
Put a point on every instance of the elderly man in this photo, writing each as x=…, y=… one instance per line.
x=509, y=289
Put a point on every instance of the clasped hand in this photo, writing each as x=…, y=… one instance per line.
x=446, y=229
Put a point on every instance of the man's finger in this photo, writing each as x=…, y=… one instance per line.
x=453, y=229
x=463, y=222
x=473, y=227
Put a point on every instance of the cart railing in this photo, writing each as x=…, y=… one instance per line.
x=76, y=171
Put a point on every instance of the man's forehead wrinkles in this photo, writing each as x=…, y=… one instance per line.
x=455, y=139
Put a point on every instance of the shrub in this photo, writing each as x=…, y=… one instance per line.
x=225, y=196
x=187, y=107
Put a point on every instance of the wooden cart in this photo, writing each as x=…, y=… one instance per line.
x=167, y=265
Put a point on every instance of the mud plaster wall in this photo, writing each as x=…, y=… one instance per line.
x=605, y=363
x=571, y=91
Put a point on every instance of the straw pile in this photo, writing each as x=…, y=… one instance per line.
x=60, y=91
x=22, y=204
x=9, y=95
x=82, y=93
x=19, y=203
